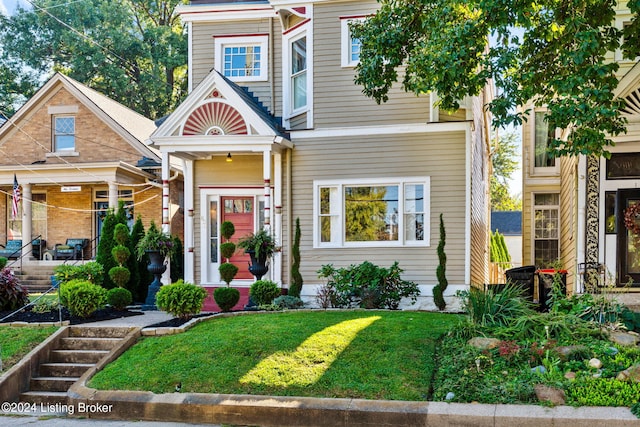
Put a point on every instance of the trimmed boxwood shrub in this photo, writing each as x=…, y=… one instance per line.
x=90, y=271
x=82, y=298
x=263, y=292
x=287, y=302
x=226, y=298
x=119, y=298
x=181, y=299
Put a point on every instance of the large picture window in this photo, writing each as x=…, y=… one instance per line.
x=372, y=212
x=546, y=238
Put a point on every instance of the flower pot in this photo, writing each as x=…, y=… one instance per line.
x=156, y=267
x=259, y=266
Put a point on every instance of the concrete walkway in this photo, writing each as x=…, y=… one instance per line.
x=11, y=421
x=150, y=317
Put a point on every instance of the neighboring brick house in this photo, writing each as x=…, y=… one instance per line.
x=271, y=88
x=75, y=153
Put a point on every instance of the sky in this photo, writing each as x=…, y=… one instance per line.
x=7, y=7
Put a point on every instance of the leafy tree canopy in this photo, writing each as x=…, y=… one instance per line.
x=134, y=51
x=548, y=53
x=504, y=155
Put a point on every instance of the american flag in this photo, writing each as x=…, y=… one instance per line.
x=16, y=197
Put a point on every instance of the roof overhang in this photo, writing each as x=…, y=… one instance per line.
x=225, y=12
x=91, y=173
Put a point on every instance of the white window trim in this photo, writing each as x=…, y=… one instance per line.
x=398, y=181
x=287, y=39
x=546, y=170
x=261, y=40
x=345, y=41
x=534, y=207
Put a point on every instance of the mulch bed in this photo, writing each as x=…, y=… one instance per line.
x=52, y=316
x=176, y=321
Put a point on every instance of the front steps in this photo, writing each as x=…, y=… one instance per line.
x=68, y=361
x=35, y=277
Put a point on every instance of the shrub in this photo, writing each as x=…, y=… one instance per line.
x=367, y=286
x=181, y=299
x=264, y=291
x=120, y=253
x=491, y=308
x=439, y=289
x=288, y=302
x=12, y=294
x=296, y=278
x=226, y=298
x=227, y=272
x=82, y=298
x=119, y=275
x=227, y=249
x=45, y=305
x=119, y=298
x=3, y=262
x=91, y=271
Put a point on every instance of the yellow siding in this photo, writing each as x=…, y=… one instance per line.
x=568, y=218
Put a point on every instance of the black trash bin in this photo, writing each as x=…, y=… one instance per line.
x=545, y=284
x=524, y=277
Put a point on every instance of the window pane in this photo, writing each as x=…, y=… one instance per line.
x=543, y=135
x=371, y=213
x=299, y=72
x=228, y=206
x=64, y=133
x=240, y=61
x=299, y=55
x=546, y=229
x=325, y=201
x=213, y=231
x=414, y=227
x=325, y=228
x=547, y=199
x=355, y=49
x=299, y=91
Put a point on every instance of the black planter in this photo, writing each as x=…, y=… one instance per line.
x=156, y=267
x=258, y=266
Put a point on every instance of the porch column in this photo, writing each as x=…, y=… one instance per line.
x=277, y=228
x=266, y=173
x=26, y=218
x=113, y=196
x=189, y=256
x=166, y=276
x=591, y=254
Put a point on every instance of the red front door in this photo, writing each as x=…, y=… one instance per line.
x=240, y=211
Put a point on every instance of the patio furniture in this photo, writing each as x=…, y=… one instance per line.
x=12, y=250
x=38, y=246
x=72, y=249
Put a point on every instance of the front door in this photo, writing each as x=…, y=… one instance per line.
x=628, y=240
x=240, y=211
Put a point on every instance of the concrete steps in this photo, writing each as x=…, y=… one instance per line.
x=68, y=361
x=36, y=278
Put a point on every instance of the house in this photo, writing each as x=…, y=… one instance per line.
x=274, y=129
x=574, y=208
x=74, y=154
x=509, y=224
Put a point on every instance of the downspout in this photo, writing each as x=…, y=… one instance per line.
x=289, y=215
x=272, y=84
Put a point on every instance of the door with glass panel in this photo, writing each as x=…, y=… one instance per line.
x=240, y=211
x=628, y=240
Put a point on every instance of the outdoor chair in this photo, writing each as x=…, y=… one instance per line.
x=38, y=246
x=72, y=249
x=12, y=250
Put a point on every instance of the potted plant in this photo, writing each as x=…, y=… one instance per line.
x=157, y=245
x=260, y=246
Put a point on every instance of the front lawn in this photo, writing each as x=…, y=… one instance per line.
x=386, y=355
x=15, y=342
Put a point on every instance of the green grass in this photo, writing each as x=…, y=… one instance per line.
x=359, y=354
x=15, y=342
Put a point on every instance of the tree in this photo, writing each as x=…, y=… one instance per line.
x=135, y=52
x=503, y=159
x=553, y=54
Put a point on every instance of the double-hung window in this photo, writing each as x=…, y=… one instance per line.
x=64, y=133
x=350, y=51
x=544, y=133
x=546, y=231
x=242, y=58
x=299, y=73
x=372, y=212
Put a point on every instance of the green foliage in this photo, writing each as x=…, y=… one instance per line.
x=227, y=229
x=3, y=262
x=106, y=244
x=82, y=298
x=492, y=308
x=12, y=294
x=181, y=299
x=227, y=272
x=263, y=292
x=119, y=298
x=177, y=260
x=155, y=240
x=140, y=265
x=121, y=234
x=136, y=51
x=439, y=289
x=501, y=198
x=498, y=248
x=262, y=243
x=603, y=392
x=296, y=278
x=91, y=271
x=45, y=305
x=227, y=249
x=119, y=275
x=635, y=409
x=504, y=162
x=554, y=59
x=120, y=253
x=367, y=286
x=226, y=298
x=287, y=302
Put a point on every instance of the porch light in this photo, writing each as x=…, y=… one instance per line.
x=229, y=158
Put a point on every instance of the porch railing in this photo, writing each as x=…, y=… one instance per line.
x=17, y=263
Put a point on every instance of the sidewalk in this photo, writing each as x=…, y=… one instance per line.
x=11, y=421
x=150, y=317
